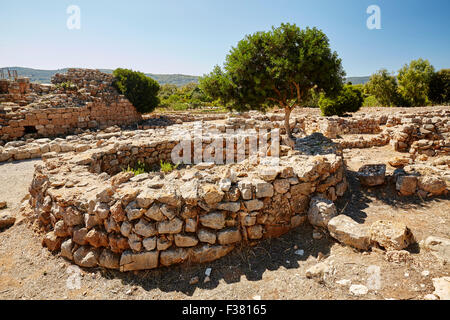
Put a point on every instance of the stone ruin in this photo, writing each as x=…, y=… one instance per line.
x=96, y=214
x=80, y=99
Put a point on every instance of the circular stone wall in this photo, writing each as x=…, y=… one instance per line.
x=96, y=216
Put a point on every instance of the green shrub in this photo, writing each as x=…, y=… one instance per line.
x=67, y=85
x=140, y=168
x=414, y=82
x=312, y=100
x=138, y=88
x=167, y=167
x=350, y=99
x=440, y=87
x=371, y=101
x=383, y=86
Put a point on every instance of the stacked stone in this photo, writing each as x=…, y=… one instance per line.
x=199, y=214
x=422, y=180
x=45, y=111
x=86, y=139
x=378, y=140
x=428, y=135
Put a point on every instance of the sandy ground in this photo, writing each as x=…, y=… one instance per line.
x=270, y=270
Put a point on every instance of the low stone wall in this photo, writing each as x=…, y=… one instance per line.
x=198, y=213
x=35, y=110
x=422, y=180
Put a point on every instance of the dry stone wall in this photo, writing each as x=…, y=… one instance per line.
x=198, y=213
x=80, y=99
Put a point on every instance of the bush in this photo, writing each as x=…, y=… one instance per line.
x=384, y=88
x=350, y=99
x=414, y=82
x=189, y=96
x=167, y=167
x=440, y=87
x=371, y=101
x=140, y=168
x=138, y=88
x=312, y=100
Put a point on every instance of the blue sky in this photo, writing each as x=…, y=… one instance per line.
x=190, y=37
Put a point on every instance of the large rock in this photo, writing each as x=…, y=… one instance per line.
x=145, y=228
x=66, y=249
x=72, y=217
x=318, y=271
x=390, y=235
x=97, y=238
x=442, y=288
x=130, y=261
x=173, y=256
x=229, y=206
x=440, y=247
x=212, y=194
x=207, y=253
x=372, y=174
x=170, y=227
x=133, y=212
x=154, y=212
x=432, y=184
x=183, y=240
x=109, y=260
x=254, y=205
x=213, y=220
x=347, y=231
x=6, y=220
x=86, y=257
x=145, y=198
x=52, y=241
x=406, y=185
x=205, y=235
x=321, y=211
x=399, y=162
x=229, y=236
x=263, y=189
x=255, y=232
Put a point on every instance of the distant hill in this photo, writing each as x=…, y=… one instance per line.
x=44, y=76
x=358, y=80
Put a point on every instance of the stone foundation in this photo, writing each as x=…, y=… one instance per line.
x=198, y=213
x=80, y=99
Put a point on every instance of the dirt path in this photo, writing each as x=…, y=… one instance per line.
x=271, y=270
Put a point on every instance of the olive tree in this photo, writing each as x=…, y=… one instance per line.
x=384, y=87
x=440, y=87
x=142, y=91
x=414, y=81
x=276, y=68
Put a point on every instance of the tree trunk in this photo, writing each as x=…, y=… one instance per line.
x=287, y=114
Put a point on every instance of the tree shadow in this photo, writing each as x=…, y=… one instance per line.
x=357, y=198
x=249, y=261
x=315, y=144
x=159, y=121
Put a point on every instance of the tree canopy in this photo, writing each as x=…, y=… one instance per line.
x=414, y=81
x=440, y=87
x=141, y=90
x=276, y=68
x=384, y=87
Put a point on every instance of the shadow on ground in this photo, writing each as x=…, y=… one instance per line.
x=251, y=262
x=358, y=198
